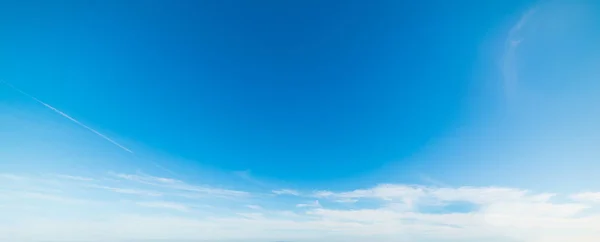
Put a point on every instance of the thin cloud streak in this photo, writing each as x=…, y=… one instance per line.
x=164, y=205
x=74, y=178
x=69, y=117
x=286, y=192
x=178, y=185
x=314, y=204
x=129, y=191
x=514, y=39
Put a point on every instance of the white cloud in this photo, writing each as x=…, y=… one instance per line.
x=177, y=185
x=254, y=216
x=286, y=192
x=346, y=200
x=322, y=194
x=593, y=197
x=145, y=178
x=387, y=192
x=23, y=196
x=165, y=205
x=412, y=193
x=75, y=178
x=11, y=177
x=255, y=207
x=314, y=204
x=130, y=191
x=393, y=212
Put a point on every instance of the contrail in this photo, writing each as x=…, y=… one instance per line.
x=69, y=117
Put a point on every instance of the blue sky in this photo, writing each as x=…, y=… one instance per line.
x=300, y=120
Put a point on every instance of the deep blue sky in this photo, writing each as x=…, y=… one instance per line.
x=289, y=90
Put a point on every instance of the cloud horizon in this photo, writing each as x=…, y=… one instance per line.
x=144, y=207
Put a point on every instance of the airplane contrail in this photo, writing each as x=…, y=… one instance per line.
x=69, y=117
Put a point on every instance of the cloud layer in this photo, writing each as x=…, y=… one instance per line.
x=118, y=207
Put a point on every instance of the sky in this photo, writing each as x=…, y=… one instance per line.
x=300, y=121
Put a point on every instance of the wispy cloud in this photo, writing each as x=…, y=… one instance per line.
x=385, y=212
x=11, y=177
x=165, y=205
x=593, y=197
x=314, y=204
x=255, y=207
x=173, y=184
x=414, y=193
x=252, y=215
x=129, y=191
x=75, y=178
x=286, y=192
x=69, y=117
x=513, y=41
x=44, y=196
x=346, y=200
x=384, y=192
x=142, y=178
